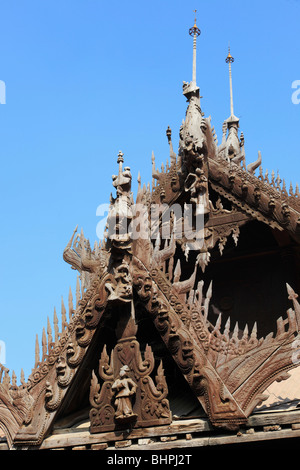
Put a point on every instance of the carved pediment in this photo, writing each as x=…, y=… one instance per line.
x=164, y=256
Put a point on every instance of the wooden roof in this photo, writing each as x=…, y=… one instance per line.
x=152, y=327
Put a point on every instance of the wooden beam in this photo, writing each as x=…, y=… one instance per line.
x=181, y=429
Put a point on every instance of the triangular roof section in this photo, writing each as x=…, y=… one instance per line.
x=152, y=266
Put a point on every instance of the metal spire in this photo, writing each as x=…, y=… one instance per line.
x=229, y=59
x=195, y=32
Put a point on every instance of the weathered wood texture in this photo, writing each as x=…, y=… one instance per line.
x=182, y=433
x=220, y=295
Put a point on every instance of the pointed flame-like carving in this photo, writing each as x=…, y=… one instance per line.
x=150, y=405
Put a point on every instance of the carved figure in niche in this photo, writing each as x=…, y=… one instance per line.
x=122, y=290
x=143, y=285
x=123, y=278
x=124, y=388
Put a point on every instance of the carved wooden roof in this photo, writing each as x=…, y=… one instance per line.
x=102, y=358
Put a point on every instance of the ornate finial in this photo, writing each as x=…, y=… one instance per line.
x=195, y=32
x=120, y=157
x=229, y=59
x=168, y=134
x=120, y=161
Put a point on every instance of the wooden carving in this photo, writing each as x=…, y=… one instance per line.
x=227, y=369
x=128, y=396
x=124, y=389
x=15, y=405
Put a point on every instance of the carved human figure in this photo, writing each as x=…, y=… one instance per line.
x=197, y=184
x=124, y=388
x=121, y=289
x=120, y=212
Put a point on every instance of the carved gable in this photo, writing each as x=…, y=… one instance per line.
x=188, y=303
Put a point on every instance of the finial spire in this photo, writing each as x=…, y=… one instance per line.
x=229, y=59
x=120, y=161
x=195, y=32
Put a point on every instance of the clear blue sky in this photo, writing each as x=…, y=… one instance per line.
x=87, y=78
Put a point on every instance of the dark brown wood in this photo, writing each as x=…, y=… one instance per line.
x=177, y=284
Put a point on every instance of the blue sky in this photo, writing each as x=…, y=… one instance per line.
x=87, y=78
